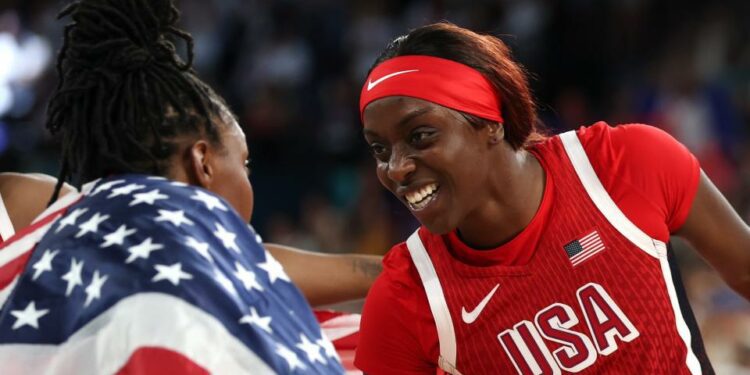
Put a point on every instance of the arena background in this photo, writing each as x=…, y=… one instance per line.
x=292, y=71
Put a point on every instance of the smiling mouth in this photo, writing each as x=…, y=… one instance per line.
x=421, y=198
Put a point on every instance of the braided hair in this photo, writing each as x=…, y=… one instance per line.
x=124, y=95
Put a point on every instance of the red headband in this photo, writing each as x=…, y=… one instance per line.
x=441, y=81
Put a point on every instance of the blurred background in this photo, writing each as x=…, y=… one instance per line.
x=292, y=71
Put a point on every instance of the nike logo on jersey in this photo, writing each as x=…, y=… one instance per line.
x=470, y=317
x=371, y=84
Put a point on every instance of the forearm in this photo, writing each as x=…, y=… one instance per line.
x=328, y=278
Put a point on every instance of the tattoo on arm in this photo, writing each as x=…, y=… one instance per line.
x=367, y=267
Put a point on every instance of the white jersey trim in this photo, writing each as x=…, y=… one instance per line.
x=619, y=221
x=438, y=305
x=601, y=198
x=682, y=328
x=6, y=226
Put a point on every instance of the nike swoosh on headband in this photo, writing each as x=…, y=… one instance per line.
x=371, y=84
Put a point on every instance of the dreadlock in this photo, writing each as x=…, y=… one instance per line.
x=124, y=94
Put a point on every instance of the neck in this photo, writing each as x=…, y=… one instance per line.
x=514, y=198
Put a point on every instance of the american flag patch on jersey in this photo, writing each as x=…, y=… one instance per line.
x=584, y=248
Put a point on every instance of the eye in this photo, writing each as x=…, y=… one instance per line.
x=420, y=137
x=247, y=167
x=377, y=149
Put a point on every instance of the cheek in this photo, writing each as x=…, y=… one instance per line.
x=250, y=201
x=243, y=195
x=235, y=187
x=382, y=172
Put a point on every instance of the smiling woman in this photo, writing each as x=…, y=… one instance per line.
x=537, y=254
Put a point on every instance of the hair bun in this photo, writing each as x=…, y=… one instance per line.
x=132, y=57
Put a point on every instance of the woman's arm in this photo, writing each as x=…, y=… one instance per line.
x=719, y=235
x=323, y=278
x=328, y=278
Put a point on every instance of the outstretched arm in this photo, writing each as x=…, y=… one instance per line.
x=328, y=278
x=719, y=235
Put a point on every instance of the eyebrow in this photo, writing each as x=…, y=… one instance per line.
x=406, y=119
x=414, y=114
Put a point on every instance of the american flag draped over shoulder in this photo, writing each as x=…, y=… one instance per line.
x=144, y=274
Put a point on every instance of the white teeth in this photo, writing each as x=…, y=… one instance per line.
x=419, y=195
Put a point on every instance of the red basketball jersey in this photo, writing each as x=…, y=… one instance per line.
x=596, y=294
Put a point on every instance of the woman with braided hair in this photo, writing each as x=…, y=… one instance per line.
x=153, y=268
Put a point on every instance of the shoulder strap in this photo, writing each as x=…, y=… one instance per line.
x=438, y=305
x=6, y=226
x=601, y=198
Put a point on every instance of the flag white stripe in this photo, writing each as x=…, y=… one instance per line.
x=105, y=344
x=22, y=245
x=586, y=255
x=580, y=260
x=586, y=251
x=586, y=237
x=590, y=241
x=61, y=203
x=341, y=326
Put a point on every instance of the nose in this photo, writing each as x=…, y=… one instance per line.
x=400, y=167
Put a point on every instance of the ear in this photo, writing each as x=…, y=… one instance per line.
x=495, y=132
x=201, y=157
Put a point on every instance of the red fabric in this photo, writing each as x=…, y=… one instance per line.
x=343, y=343
x=153, y=360
x=652, y=179
x=437, y=80
x=343, y=331
x=11, y=270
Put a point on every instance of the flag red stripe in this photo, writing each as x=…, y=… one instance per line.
x=578, y=261
x=10, y=271
x=23, y=232
x=13, y=267
x=587, y=251
x=155, y=360
x=589, y=241
x=586, y=237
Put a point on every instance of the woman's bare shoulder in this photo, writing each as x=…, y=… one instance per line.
x=26, y=195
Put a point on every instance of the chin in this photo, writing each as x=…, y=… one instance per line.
x=438, y=227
